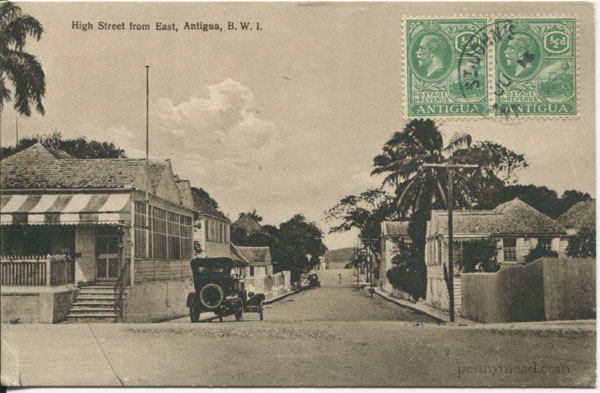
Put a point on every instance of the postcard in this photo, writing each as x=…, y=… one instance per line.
x=297, y=194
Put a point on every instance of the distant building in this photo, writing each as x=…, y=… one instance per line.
x=259, y=260
x=581, y=215
x=247, y=223
x=392, y=234
x=212, y=232
x=517, y=227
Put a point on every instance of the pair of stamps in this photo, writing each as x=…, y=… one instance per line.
x=481, y=67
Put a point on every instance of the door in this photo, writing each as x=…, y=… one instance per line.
x=107, y=260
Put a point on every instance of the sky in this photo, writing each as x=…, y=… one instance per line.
x=284, y=120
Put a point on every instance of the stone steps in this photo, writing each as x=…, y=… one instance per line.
x=94, y=303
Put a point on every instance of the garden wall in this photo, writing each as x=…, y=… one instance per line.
x=546, y=289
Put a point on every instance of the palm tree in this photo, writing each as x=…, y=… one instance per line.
x=17, y=67
x=417, y=188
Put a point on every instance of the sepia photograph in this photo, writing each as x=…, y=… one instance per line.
x=297, y=194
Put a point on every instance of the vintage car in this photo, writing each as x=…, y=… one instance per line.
x=219, y=291
x=313, y=281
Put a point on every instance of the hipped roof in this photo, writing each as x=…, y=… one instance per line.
x=580, y=215
x=255, y=255
x=247, y=223
x=41, y=167
x=510, y=218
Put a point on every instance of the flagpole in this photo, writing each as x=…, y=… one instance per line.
x=147, y=159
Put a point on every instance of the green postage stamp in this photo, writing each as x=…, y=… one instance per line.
x=451, y=63
x=536, y=68
x=439, y=79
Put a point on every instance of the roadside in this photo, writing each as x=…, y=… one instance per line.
x=444, y=317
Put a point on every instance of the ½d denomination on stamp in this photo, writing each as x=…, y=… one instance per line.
x=434, y=84
x=536, y=68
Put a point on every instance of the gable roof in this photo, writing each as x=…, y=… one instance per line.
x=580, y=215
x=395, y=228
x=510, y=218
x=41, y=167
x=255, y=255
x=185, y=193
x=236, y=254
x=247, y=223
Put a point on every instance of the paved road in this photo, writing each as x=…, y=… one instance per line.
x=332, y=336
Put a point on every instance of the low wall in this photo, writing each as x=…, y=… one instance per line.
x=272, y=285
x=154, y=301
x=546, y=289
x=36, y=304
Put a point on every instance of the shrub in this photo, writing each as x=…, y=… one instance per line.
x=539, y=252
x=479, y=255
x=408, y=279
x=583, y=244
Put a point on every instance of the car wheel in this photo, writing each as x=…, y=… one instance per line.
x=260, y=310
x=239, y=309
x=194, y=312
x=211, y=296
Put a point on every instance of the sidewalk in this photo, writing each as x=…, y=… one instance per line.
x=444, y=317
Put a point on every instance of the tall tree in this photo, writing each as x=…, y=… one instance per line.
x=419, y=189
x=17, y=67
x=404, y=154
x=298, y=245
x=365, y=212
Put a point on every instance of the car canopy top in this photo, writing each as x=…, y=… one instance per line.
x=216, y=262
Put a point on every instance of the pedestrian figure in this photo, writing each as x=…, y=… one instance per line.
x=340, y=279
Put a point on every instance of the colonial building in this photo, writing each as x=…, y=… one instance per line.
x=259, y=274
x=117, y=222
x=393, y=233
x=211, y=229
x=516, y=226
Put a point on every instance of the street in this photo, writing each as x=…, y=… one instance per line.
x=329, y=336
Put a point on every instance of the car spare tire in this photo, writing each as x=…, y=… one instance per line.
x=211, y=296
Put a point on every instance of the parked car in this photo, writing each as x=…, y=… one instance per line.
x=313, y=281
x=219, y=291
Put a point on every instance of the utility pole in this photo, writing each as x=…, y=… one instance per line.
x=450, y=204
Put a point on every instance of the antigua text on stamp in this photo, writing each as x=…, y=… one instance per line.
x=439, y=82
x=536, y=70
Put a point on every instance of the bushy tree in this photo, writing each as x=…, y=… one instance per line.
x=364, y=212
x=540, y=252
x=298, y=245
x=479, y=255
x=78, y=147
x=541, y=198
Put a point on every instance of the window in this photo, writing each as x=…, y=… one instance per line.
x=545, y=243
x=510, y=249
x=140, y=229
x=251, y=271
x=170, y=234
x=216, y=231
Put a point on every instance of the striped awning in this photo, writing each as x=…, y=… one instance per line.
x=65, y=209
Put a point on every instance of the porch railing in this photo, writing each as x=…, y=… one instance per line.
x=122, y=281
x=35, y=270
